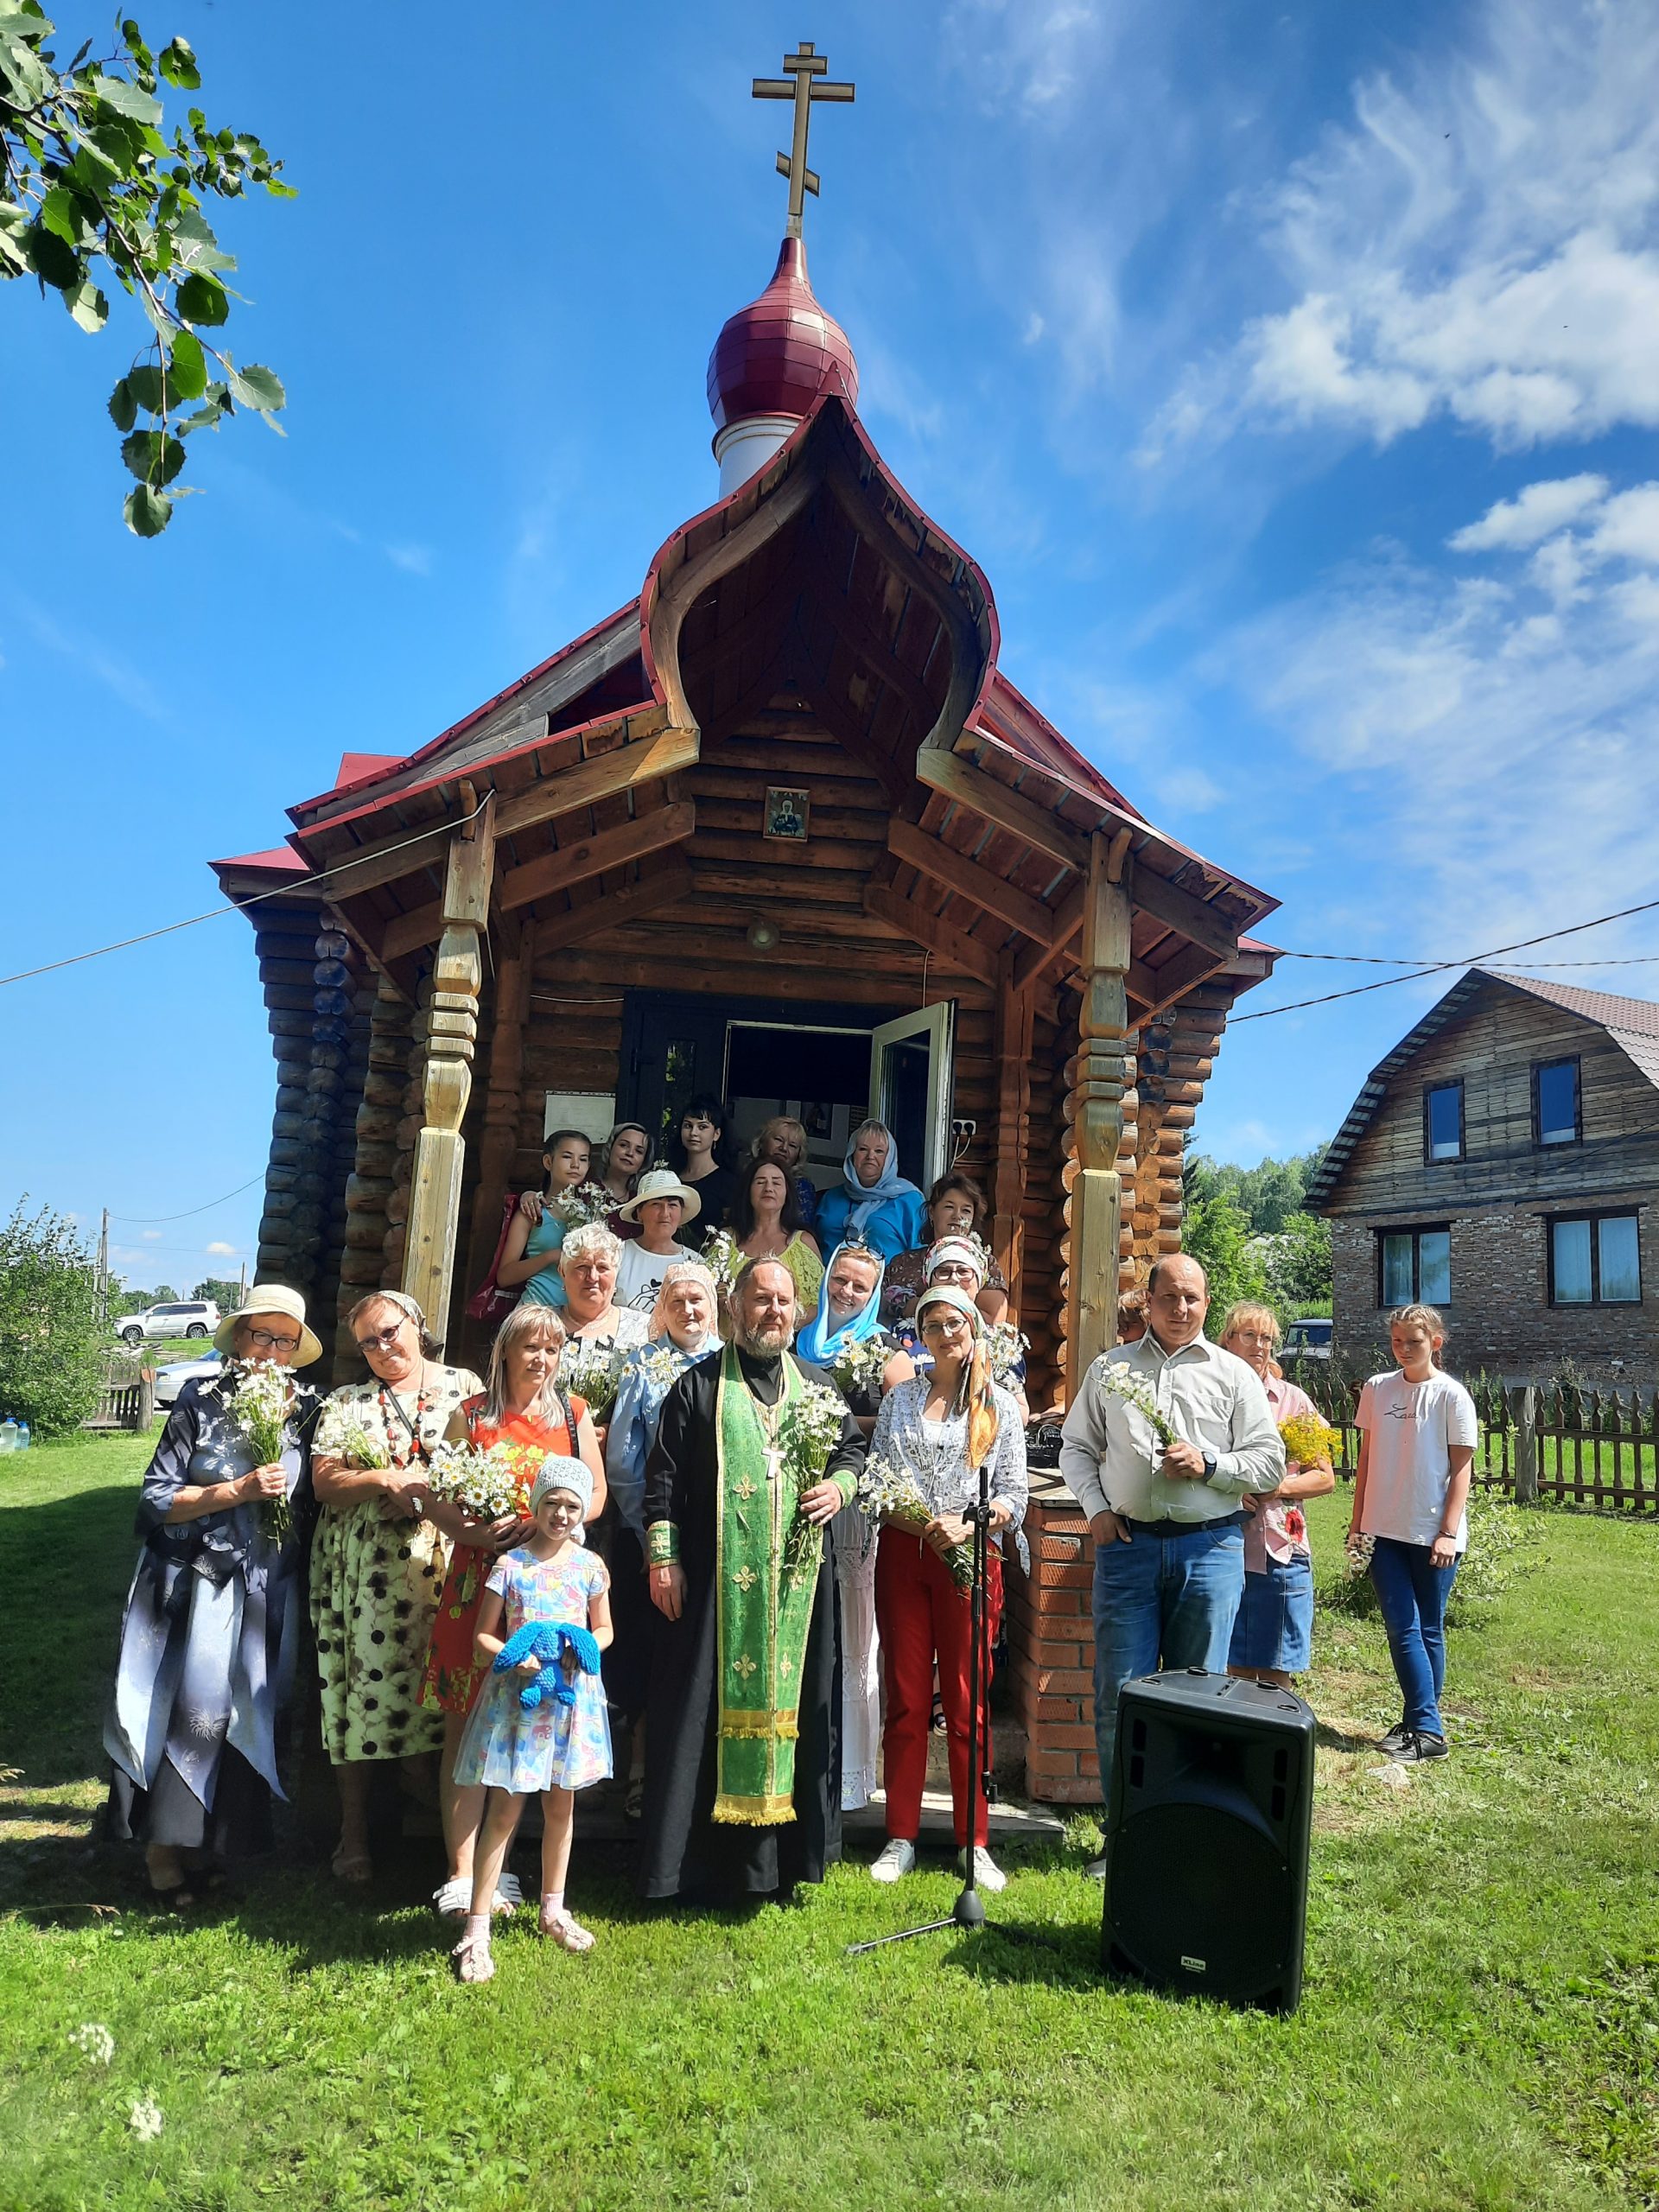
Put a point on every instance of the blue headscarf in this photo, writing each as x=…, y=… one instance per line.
x=863, y=1198
x=823, y=1342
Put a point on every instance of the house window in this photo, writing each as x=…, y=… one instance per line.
x=1555, y=1101
x=1595, y=1260
x=1443, y=1122
x=1413, y=1264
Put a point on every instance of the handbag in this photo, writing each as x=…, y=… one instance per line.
x=489, y=1302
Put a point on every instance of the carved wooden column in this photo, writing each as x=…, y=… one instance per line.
x=515, y=954
x=1102, y=1032
x=446, y=1080
x=1014, y=1041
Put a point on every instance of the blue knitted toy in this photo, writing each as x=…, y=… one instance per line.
x=548, y=1641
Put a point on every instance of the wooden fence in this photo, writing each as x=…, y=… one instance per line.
x=126, y=1396
x=1558, y=1441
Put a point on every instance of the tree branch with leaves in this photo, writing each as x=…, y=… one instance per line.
x=91, y=189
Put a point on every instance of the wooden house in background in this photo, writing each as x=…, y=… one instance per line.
x=778, y=829
x=1502, y=1163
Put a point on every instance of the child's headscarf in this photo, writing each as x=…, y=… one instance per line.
x=867, y=1197
x=982, y=1404
x=557, y=1473
x=822, y=1340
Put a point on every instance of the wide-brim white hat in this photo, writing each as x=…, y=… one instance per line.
x=271, y=1298
x=662, y=1183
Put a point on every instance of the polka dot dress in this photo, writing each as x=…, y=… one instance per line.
x=375, y=1580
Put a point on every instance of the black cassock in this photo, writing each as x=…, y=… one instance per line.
x=684, y=1853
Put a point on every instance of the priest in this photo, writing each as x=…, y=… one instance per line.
x=755, y=1454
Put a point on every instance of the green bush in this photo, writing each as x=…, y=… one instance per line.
x=53, y=1338
x=1506, y=1541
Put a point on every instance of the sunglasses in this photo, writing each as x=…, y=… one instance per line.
x=384, y=1341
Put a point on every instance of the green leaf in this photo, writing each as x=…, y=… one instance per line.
x=53, y=261
x=146, y=387
x=196, y=245
x=118, y=142
x=187, y=375
x=126, y=100
x=152, y=457
x=88, y=306
x=178, y=64
x=200, y=300
x=148, y=512
x=257, y=387
x=58, y=214
x=21, y=67
x=123, y=408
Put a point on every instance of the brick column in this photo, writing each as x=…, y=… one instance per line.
x=1052, y=1649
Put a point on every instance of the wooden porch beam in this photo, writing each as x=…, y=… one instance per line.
x=666, y=887
x=980, y=886
x=1158, y=988
x=1166, y=902
x=665, y=754
x=958, y=779
x=883, y=903
x=1033, y=962
x=590, y=856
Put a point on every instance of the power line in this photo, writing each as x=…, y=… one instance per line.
x=155, y=1220
x=237, y=905
x=1440, y=967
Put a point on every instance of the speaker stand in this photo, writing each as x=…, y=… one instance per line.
x=968, y=1911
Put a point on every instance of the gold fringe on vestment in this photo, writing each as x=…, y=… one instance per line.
x=753, y=1812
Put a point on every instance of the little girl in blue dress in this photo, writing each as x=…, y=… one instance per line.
x=557, y=1748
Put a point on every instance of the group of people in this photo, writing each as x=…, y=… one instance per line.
x=687, y=1587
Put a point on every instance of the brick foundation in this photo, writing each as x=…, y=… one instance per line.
x=1052, y=1647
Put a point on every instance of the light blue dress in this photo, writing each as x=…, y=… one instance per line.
x=557, y=1746
x=546, y=1287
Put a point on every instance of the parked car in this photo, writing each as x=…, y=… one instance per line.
x=189, y=1317
x=1307, y=1340
x=172, y=1378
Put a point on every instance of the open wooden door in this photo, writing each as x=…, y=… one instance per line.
x=911, y=1072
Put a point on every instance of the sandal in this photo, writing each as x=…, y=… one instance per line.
x=568, y=1933
x=355, y=1868
x=174, y=1896
x=472, y=1959
x=454, y=1900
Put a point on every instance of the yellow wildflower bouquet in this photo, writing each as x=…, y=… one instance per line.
x=1309, y=1438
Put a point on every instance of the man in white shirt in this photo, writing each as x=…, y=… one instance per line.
x=1167, y=1520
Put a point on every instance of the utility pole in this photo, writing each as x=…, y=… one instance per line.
x=104, y=1268
x=243, y=1299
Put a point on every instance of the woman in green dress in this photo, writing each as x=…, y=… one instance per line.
x=380, y=1554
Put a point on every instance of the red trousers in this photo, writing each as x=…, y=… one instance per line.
x=921, y=1614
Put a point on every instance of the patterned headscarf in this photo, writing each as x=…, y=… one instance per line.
x=976, y=1393
x=678, y=1271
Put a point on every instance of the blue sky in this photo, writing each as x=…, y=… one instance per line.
x=1292, y=378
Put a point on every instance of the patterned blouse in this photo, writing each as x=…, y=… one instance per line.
x=935, y=1453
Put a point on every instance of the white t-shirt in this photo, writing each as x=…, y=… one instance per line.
x=1413, y=1427
x=640, y=1274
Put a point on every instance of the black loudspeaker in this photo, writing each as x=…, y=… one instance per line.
x=1206, y=1838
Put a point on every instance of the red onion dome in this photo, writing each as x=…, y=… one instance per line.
x=775, y=355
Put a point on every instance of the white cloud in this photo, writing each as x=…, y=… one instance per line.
x=1532, y=515
x=222, y=1251
x=1045, y=51
x=1479, y=242
x=413, y=560
x=1629, y=526
x=150, y=1237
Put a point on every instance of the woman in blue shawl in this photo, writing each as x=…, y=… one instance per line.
x=875, y=1205
x=845, y=1337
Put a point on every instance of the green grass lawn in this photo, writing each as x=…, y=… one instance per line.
x=1480, y=2025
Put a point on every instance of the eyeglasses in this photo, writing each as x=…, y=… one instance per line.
x=262, y=1340
x=383, y=1342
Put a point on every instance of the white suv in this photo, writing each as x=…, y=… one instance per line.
x=190, y=1316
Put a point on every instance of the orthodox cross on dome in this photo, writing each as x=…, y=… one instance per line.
x=807, y=66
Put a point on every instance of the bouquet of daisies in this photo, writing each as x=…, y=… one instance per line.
x=859, y=1366
x=1133, y=1391
x=722, y=1256
x=487, y=1483
x=662, y=1365
x=1006, y=1348
x=342, y=1433
x=808, y=1433
x=1356, y=1553
x=592, y=1371
x=582, y=1204
x=261, y=1402
x=890, y=1496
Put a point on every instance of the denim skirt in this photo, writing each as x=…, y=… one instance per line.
x=1274, y=1626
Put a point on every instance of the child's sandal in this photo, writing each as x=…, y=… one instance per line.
x=472, y=1959
x=568, y=1934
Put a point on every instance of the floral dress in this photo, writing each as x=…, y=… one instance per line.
x=450, y=1682
x=375, y=1579
x=555, y=1746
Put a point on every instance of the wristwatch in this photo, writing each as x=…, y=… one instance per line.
x=1208, y=1466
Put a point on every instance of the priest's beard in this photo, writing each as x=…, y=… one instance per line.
x=763, y=1341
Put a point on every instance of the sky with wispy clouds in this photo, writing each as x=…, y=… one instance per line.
x=1293, y=376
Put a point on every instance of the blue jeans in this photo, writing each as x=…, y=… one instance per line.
x=1412, y=1594
x=1161, y=1600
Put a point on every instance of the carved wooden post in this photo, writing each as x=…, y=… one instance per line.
x=435, y=1190
x=1102, y=1031
x=1014, y=1043
x=515, y=953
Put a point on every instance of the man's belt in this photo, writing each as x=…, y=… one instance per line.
x=1167, y=1528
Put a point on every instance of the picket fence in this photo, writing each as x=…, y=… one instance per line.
x=1561, y=1439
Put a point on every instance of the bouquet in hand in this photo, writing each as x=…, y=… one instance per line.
x=1006, y=1348
x=662, y=1365
x=807, y=1434
x=486, y=1485
x=1309, y=1438
x=1116, y=1381
x=262, y=1401
x=892, y=1495
x=859, y=1366
x=1357, y=1552
x=584, y=1204
x=592, y=1371
x=724, y=1257
x=342, y=1434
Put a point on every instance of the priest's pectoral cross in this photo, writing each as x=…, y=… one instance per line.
x=807, y=66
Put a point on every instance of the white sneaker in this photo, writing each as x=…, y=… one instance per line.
x=897, y=1858
x=988, y=1875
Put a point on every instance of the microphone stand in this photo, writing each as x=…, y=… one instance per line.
x=968, y=1911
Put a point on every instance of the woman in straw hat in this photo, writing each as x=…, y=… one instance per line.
x=381, y=1553
x=207, y=1640
x=658, y=1209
